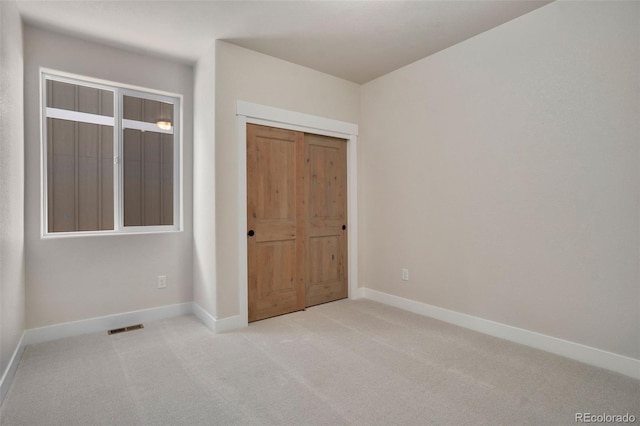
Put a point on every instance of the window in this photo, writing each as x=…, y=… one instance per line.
x=111, y=158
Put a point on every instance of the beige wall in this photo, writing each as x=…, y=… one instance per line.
x=77, y=278
x=503, y=172
x=12, y=253
x=204, y=183
x=245, y=75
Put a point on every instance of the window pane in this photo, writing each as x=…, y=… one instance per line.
x=146, y=110
x=148, y=178
x=78, y=98
x=79, y=176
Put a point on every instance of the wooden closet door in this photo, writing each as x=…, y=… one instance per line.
x=325, y=219
x=275, y=240
x=296, y=217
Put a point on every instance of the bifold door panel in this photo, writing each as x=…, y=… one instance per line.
x=296, y=217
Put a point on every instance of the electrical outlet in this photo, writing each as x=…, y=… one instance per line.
x=162, y=281
x=405, y=274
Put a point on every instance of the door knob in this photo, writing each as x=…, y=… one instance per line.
x=344, y=227
x=251, y=233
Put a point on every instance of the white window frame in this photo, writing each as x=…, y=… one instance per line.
x=119, y=124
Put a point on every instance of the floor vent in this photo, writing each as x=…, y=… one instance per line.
x=123, y=329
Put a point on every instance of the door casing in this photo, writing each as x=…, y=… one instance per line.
x=247, y=112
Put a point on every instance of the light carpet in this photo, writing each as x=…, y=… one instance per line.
x=347, y=362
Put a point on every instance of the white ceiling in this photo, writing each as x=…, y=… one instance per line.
x=354, y=40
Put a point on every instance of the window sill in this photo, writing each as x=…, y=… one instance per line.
x=81, y=234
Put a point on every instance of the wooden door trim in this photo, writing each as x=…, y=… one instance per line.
x=275, y=117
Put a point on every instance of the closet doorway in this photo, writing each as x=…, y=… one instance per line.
x=296, y=220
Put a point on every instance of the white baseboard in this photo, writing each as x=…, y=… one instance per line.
x=91, y=325
x=217, y=325
x=586, y=354
x=229, y=324
x=358, y=293
x=10, y=371
x=76, y=328
x=204, y=316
